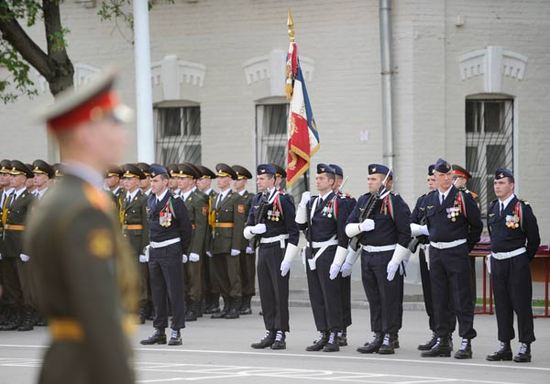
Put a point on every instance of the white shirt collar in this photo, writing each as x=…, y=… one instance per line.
x=446, y=193
x=185, y=195
x=159, y=198
x=224, y=194
x=40, y=192
x=323, y=197
x=242, y=192
x=507, y=201
x=8, y=191
x=208, y=191
x=20, y=191
x=131, y=195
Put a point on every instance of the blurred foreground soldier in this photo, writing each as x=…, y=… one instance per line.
x=514, y=241
x=78, y=255
x=135, y=229
x=454, y=225
x=383, y=224
x=43, y=173
x=169, y=234
x=247, y=257
x=326, y=250
x=271, y=222
x=17, y=275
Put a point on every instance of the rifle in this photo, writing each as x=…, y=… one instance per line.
x=369, y=208
x=259, y=216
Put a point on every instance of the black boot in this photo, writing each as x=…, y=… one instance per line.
x=441, y=348
x=13, y=321
x=279, y=342
x=395, y=340
x=524, y=353
x=191, y=314
x=387, y=347
x=332, y=344
x=213, y=304
x=503, y=354
x=267, y=340
x=343, y=338
x=465, y=350
x=429, y=344
x=373, y=346
x=246, y=308
x=159, y=337
x=234, y=307
x=221, y=314
x=28, y=320
x=175, y=337
x=319, y=343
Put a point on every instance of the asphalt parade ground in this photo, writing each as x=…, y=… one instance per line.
x=218, y=351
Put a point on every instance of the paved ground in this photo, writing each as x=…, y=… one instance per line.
x=217, y=351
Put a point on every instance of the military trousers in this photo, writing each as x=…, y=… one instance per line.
x=167, y=283
x=227, y=272
x=193, y=280
x=450, y=280
x=10, y=277
x=513, y=292
x=248, y=272
x=27, y=282
x=385, y=297
x=273, y=287
x=325, y=294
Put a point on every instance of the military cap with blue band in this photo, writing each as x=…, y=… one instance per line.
x=325, y=168
x=379, y=168
x=442, y=166
x=337, y=170
x=501, y=173
x=157, y=169
x=431, y=168
x=266, y=169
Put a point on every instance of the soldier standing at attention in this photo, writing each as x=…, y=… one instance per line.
x=247, y=257
x=7, y=308
x=112, y=183
x=43, y=173
x=272, y=221
x=135, y=228
x=84, y=271
x=145, y=184
x=169, y=234
x=454, y=225
x=514, y=242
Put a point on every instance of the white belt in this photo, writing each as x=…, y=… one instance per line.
x=508, y=255
x=445, y=245
x=274, y=239
x=165, y=243
x=322, y=245
x=381, y=248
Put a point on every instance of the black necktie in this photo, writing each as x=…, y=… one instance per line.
x=442, y=198
x=501, y=209
x=219, y=201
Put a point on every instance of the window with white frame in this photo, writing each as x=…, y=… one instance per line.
x=271, y=138
x=489, y=143
x=178, y=134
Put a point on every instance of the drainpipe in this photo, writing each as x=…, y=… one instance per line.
x=386, y=64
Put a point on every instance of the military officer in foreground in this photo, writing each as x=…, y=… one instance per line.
x=84, y=271
x=271, y=221
x=169, y=235
x=454, y=226
x=135, y=228
x=514, y=241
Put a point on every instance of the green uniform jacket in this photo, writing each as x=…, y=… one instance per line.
x=229, y=224
x=197, y=208
x=244, y=204
x=17, y=215
x=79, y=255
x=135, y=213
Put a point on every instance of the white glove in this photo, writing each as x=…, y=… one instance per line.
x=194, y=257
x=488, y=264
x=419, y=230
x=291, y=252
x=235, y=252
x=208, y=253
x=351, y=258
x=306, y=197
x=399, y=255
x=301, y=214
x=184, y=258
x=367, y=225
x=346, y=269
x=258, y=229
x=0, y=256
x=249, y=250
x=24, y=258
x=339, y=258
x=143, y=258
x=391, y=269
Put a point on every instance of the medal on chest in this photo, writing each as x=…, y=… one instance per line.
x=513, y=221
x=165, y=217
x=328, y=210
x=275, y=213
x=457, y=209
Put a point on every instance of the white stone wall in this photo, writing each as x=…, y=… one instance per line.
x=339, y=41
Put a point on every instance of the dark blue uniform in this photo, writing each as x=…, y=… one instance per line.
x=279, y=220
x=165, y=271
x=392, y=226
x=450, y=268
x=512, y=276
x=327, y=222
x=345, y=207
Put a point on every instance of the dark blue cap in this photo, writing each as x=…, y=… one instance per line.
x=379, y=168
x=268, y=169
x=501, y=173
x=325, y=168
x=431, y=169
x=157, y=169
x=442, y=166
x=337, y=170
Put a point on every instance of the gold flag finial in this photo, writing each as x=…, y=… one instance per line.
x=290, y=24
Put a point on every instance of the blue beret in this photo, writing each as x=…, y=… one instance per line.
x=157, y=169
x=266, y=169
x=501, y=173
x=324, y=168
x=337, y=170
x=379, y=168
x=442, y=166
x=431, y=169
